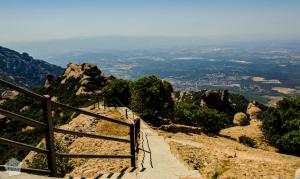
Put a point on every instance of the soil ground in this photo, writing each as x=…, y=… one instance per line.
x=224, y=157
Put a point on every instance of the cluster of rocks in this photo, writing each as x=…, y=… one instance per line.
x=89, y=75
x=252, y=112
x=174, y=128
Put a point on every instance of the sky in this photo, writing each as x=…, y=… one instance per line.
x=41, y=20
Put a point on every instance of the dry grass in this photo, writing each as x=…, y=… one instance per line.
x=91, y=168
x=110, y=128
x=220, y=157
x=252, y=130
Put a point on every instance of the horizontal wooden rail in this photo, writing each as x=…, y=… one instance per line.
x=90, y=113
x=90, y=135
x=64, y=155
x=28, y=170
x=134, y=130
x=22, y=145
x=20, y=89
x=22, y=118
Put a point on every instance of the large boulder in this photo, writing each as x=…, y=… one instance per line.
x=9, y=94
x=90, y=70
x=81, y=71
x=73, y=70
x=240, y=119
x=253, y=110
x=89, y=76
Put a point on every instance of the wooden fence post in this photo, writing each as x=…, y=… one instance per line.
x=132, y=145
x=49, y=136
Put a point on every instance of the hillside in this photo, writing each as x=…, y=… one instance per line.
x=221, y=117
x=70, y=88
x=23, y=69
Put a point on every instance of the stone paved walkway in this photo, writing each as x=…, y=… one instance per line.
x=156, y=160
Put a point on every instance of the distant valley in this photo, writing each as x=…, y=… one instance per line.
x=264, y=74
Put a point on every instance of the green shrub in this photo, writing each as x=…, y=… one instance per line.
x=281, y=126
x=63, y=165
x=211, y=120
x=247, y=141
x=245, y=122
x=117, y=93
x=152, y=99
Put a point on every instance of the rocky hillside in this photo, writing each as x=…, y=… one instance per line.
x=220, y=100
x=78, y=86
x=23, y=69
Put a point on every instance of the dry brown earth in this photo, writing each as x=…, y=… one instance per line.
x=221, y=157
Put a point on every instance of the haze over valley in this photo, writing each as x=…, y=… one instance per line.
x=265, y=71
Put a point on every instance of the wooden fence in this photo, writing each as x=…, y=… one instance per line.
x=50, y=129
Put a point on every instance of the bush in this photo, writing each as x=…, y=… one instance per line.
x=281, y=126
x=211, y=120
x=117, y=93
x=63, y=165
x=247, y=141
x=152, y=98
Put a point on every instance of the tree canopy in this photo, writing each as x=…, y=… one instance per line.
x=117, y=93
x=281, y=126
x=152, y=98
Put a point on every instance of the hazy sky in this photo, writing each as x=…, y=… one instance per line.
x=34, y=20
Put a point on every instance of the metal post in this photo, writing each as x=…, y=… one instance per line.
x=137, y=133
x=49, y=136
x=104, y=104
x=139, y=128
x=132, y=145
x=126, y=113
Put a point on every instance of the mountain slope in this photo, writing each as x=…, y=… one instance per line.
x=23, y=69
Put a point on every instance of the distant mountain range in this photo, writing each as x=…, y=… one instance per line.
x=23, y=69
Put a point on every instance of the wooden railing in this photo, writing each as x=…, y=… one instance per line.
x=50, y=129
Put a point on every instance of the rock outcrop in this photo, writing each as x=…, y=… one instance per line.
x=253, y=110
x=215, y=99
x=240, y=119
x=89, y=75
x=9, y=95
x=84, y=71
